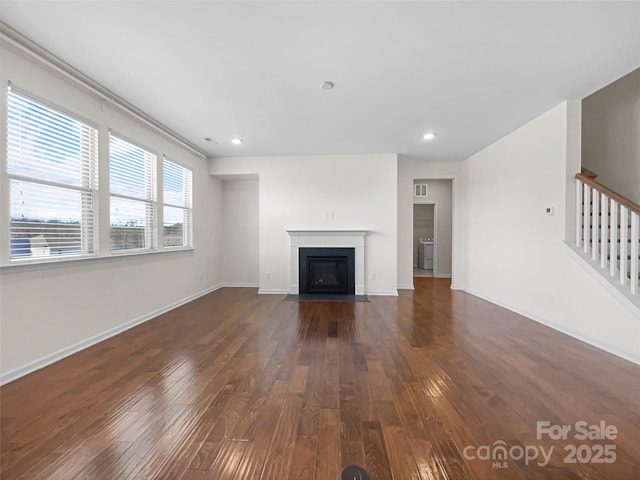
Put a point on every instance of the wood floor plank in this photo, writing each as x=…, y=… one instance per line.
x=303, y=463
x=245, y=386
x=227, y=463
x=259, y=435
x=280, y=455
x=328, y=460
x=375, y=450
x=102, y=465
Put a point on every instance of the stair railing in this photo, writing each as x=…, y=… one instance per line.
x=607, y=230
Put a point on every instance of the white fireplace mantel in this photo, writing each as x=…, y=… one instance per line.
x=326, y=238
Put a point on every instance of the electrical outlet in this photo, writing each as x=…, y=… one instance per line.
x=372, y=276
x=267, y=275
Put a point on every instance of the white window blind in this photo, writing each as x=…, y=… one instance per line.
x=52, y=166
x=177, y=208
x=132, y=174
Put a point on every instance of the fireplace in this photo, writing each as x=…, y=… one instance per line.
x=326, y=239
x=327, y=270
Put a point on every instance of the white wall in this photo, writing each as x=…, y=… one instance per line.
x=48, y=311
x=297, y=192
x=611, y=142
x=240, y=233
x=407, y=173
x=514, y=253
x=440, y=191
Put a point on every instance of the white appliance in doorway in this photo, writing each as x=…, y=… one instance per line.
x=425, y=254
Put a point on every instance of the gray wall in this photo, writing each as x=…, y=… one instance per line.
x=611, y=135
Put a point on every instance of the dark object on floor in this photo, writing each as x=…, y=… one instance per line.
x=354, y=472
x=323, y=297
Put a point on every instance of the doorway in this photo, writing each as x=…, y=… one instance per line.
x=424, y=233
x=432, y=228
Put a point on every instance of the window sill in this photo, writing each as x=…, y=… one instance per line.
x=28, y=264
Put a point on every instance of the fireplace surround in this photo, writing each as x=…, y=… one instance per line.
x=327, y=239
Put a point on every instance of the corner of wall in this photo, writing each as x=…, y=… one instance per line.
x=521, y=263
x=573, y=164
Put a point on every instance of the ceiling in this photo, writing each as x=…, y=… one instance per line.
x=469, y=71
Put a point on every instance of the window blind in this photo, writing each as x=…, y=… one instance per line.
x=52, y=165
x=177, y=205
x=132, y=174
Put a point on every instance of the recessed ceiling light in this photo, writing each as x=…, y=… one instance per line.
x=327, y=85
x=236, y=141
x=429, y=136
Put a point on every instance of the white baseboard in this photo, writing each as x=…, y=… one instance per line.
x=241, y=285
x=443, y=275
x=389, y=293
x=42, y=362
x=406, y=286
x=272, y=291
x=572, y=333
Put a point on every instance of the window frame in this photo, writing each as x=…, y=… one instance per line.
x=89, y=190
x=102, y=125
x=151, y=202
x=187, y=207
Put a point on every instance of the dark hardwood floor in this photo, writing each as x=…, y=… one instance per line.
x=241, y=386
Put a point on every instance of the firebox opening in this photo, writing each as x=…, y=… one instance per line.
x=327, y=270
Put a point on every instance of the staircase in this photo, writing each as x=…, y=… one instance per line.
x=608, y=233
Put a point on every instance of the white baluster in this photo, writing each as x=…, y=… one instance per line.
x=613, y=238
x=624, y=225
x=595, y=223
x=604, y=230
x=634, y=253
x=586, y=198
x=578, y=212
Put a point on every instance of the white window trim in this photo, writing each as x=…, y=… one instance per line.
x=101, y=221
x=188, y=234
x=6, y=260
x=152, y=213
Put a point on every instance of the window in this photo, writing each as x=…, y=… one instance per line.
x=177, y=205
x=132, y=174
x=52, y=166
x=51, y=185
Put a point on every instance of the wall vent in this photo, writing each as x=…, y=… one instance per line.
x=421, y=190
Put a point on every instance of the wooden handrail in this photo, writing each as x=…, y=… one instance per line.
x=588, y=173
x=589, y=180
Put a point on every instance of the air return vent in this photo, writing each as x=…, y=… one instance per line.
x=421, y=190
